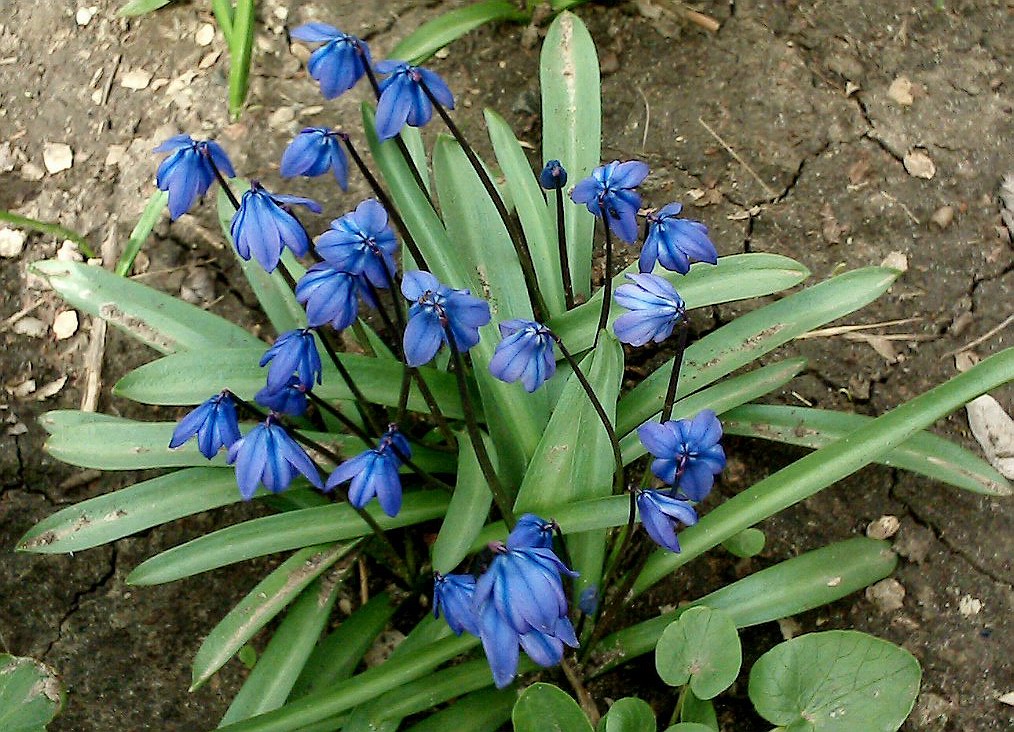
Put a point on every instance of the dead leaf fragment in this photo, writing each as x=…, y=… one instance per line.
x=993, y=428
x=57, y=156
x=943, y=216
x=901, y=91
x=896, y=260
x=50, y=389
x=919, y=165
x=65, y=324
x=12, y=242
x=209, y=59
x=136, y=80
x=20, y=391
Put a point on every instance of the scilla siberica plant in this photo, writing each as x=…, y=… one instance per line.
x=484, y=409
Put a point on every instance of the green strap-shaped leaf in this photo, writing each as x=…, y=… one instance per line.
x=547, y=708
x=61, y=419
x=701, y=648
x=572, y=128
x=480, y=711
x=923, y=453
x=166, y=324
x=747, y=543
x=30, y=694
x=434, y=34
x=140, y=7
x=268, y=535
x=241, y=43
x=149, y=217
x=629, y=714
x=467, y=512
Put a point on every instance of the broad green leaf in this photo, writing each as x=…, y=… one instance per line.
x=271, y=680
x=279, y=533
x=30, y=694
x=466, y=513
x=61, y=419
x=747, y=543
x=166, y=324
x=829, y=464
x=434, y=34
x=923, y=453
x=139, y=235
x=240, y=53
x=701, y=648
x=750, y=336
x=630, y=714
x=835, y=681
x=546, y=708
x=481, y=711
x=802, y=583
x=140, y=7
x=699, y=711
x=689, y=727
x=265, y=601
x=572, y=129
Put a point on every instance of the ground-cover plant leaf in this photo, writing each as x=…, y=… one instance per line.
x=701, y=648
x=699, y=711
x=30, y=694
x=158, y=320
x=924, y=453
x=546, y=708
x=835, y=681
x=139, y=235
x=466, y=513
x=140, y=7
x=689, y=727
x=433, y=35
x=265, y=601
x=481, y=711
x=747, y=543
x=629, y=714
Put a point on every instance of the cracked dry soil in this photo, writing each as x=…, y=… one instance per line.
x=782, y=131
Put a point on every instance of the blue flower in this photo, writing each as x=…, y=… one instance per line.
x=525, y=354
x=268, y=456
x=402, y=99
x=532, y=531
x=188, y=173
x=313, y=152
x=553, y=176
x=375, y=473
x=433, y=305
x=452, y=595
x=687, y=453
x=655, y=308
x=295, y=351
x=660, y=513
x=339, y=63
x=609, y=192
x=331, y=296
x=673, y=241
x=361, y=242
x=264, y=225
x=214, y=422
x=290, y=399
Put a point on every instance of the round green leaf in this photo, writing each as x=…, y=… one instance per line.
x=689, y=727
x=836, y=681
x=30, y=694
x=747, y=543
x=630, y=715
x=700, y=648
x=699, y=711
x=545, y=708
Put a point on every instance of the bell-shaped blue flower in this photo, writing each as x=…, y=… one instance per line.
x=687, y=452
x=375, y=473
x=655, y=308
x=402, y=99
x=553, y=176
x=660, y=513
x=264, y=225
x=214, y=422
x=313, y=152
x=188, y=173
x=331, y=296
x=361, y=242
x=433, y=305
x=532, y=531
x=673, y=241
x=295, y=352
x=268, y=456
x=525, y=354
x=339, y=63
x=452, y=596
x=610, y=192
x=290, y=399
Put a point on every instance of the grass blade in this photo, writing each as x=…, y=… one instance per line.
x=140, y=7
x=149, y=217
x=434, y=34
x=240, y=54
x=466, y=513
x=49, y=229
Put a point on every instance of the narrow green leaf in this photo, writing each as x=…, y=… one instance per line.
x=701, y=648
x=152, y=317
x=630, y=714
x=47, y=228
x=481, y=711
x=223, y=11
x=149, y=217
x=747, y=543
x=240, y=54
x=434, y=34
x=140, y=7
x=30, y=694
x=572, y=128
x=546, y=708
x=467, y=512
x=412, y=138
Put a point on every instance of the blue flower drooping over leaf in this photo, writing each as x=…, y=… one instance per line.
x=433, y=305
x=264, y=225
x=214, y=422
x=673, y=241
x=553, y=176
x=313, y=152
x=655, y=308
x=290, y=399
x=525, y=354
x=660, y=514
x=402, y=99
x=339, y=63
x=332, y=296
x=687, y=452
x=610, y=192
x=188, y=173
x=531, y=531
x=295, y=352
x=375, y=473
x=453, y=596
x=362, y=242
x=268, y=456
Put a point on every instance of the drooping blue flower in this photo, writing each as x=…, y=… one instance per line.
x=452, y=596
x=532, y=531
x=660, y=513
x=290, y=399
x=433, y=305
x=313, y=152
x=553, y=176
x=610, y=191
x=375, y=473
x=188, y=173
x=673, y=241
x=214, y=422
x=525, y=354
x=332, y=296
x=361, y=242
x=655, y=308
x=268, y=456
x=264, y=225
x=402, y=99
x=687, y=452
x=295, y=352
x=339, y=63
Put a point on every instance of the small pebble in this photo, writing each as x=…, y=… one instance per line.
x=888, y=595
x=65, y=324
x=56, y=156
x=84, y=16
x=136, y=80
x=884, y=527
x=205, y=34
x=919, y=165
x=943, y=216
x=12, y=242
x=31, y=327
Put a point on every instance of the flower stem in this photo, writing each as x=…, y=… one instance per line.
x=561, y=239
x=223, y=182
x=585, y=699
x=674, y=374
x=607, y=286
x=362, y=404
